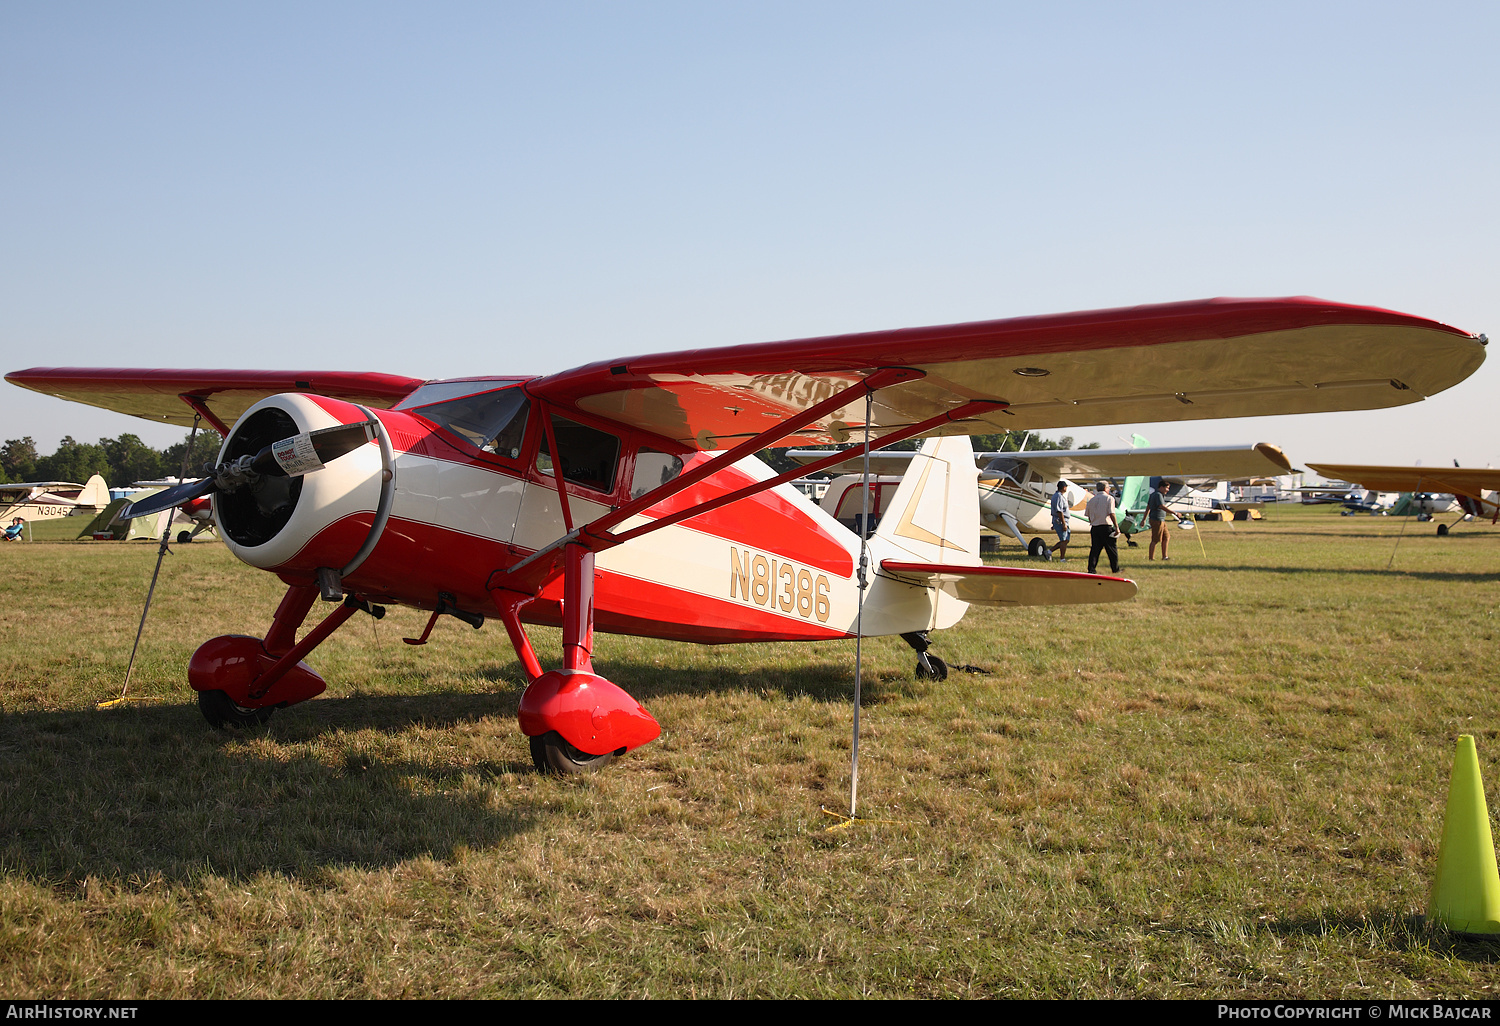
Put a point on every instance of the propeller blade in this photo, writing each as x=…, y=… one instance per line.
x=290, y=457
x=167, y=498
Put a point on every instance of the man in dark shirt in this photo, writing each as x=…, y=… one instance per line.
x=1156, y=516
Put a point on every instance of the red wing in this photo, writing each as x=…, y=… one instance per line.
x=158, y=394
x=1182, y=361
x=1470, y=481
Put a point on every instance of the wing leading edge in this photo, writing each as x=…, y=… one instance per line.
x=173, y=396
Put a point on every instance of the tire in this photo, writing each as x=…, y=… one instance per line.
x=183, y=537
x=222, y=714
x=1442, y=530
x=1038, y=548
x=939, y=669
x=551, y=754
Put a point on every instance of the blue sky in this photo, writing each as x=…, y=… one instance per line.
x=441, y=189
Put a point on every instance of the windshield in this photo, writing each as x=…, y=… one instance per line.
x=492, y=421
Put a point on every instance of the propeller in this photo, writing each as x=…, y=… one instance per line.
x=290, y=457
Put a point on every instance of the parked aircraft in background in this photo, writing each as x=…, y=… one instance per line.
x=599, y=497
x=1377, y=504
x=1015, y=488
x=191, y=519
x=48, y=500
x=1472, y=488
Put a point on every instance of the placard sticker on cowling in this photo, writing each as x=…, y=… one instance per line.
x=296, y=455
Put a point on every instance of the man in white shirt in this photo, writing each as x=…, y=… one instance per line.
x=1103, y=528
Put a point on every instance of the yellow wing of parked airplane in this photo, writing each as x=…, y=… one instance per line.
x=1473, y=487
x=1224, y=463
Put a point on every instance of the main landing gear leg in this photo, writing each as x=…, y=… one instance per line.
x=241, y=680
x=929, y=667
x=577, y=721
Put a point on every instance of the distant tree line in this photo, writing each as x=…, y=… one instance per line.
x=120, y=461
x=127, y=459
x=1003, y=441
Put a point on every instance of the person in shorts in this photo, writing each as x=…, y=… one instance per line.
x=1156, y=516
x=1060, y=520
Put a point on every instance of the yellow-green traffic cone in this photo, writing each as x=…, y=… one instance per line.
x=1466, y=890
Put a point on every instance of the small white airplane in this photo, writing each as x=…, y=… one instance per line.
x=1474, y=489
x=626, y=495
x=49, y=500
x=1015, y=488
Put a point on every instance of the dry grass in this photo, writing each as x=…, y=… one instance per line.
x=1230, y=786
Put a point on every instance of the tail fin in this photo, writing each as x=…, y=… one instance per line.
x=1135, y=493
x=935, y=512
x=95, y=493
x=1133, y=496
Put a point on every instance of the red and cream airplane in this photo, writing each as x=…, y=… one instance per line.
x=625, y=496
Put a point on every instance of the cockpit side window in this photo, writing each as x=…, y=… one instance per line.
x=492, y=421
x=588, y=456
x=652, y=470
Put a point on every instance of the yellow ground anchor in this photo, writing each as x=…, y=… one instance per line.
x=844, y=822
x=111, y=703
x=1466, y=891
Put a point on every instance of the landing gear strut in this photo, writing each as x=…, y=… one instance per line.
x=577, y=721
x=241, y=680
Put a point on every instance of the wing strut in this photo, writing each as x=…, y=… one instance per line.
x=859, y=616
x=200, y=409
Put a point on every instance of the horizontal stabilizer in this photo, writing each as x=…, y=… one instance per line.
x=1012, y=586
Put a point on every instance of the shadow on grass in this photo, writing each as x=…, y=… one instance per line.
x=822, y=682
x=151, y=792
x=1447, y=576
x=816, y=676
x=154, y=793
x=1393, y=932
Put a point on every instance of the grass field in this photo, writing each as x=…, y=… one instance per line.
x=1231, y=786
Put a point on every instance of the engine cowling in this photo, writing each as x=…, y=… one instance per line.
x=297, y=524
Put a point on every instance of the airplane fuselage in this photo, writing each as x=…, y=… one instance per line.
x=770, y=567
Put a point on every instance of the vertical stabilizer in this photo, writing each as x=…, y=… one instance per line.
x=935, y=512
x=1137, y=489
x=95, y=493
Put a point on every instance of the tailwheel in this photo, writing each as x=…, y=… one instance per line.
x=222, y=713
x=930, y=667
x=550, y=753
